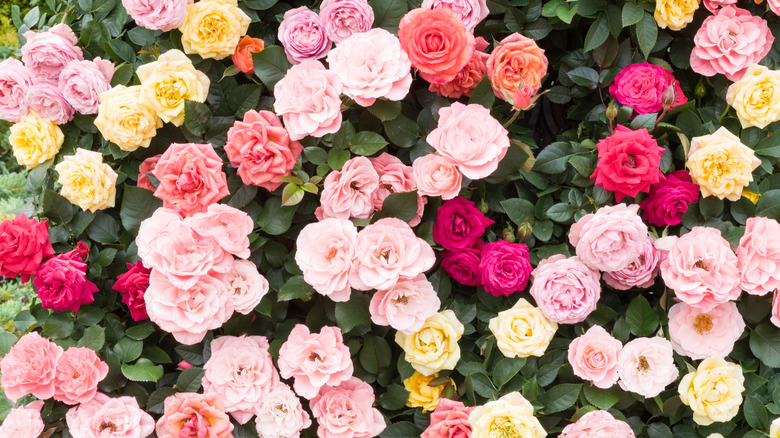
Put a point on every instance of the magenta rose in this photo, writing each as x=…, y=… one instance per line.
x=47, y=100
x=81, y=83
x=641, y=86
x=450, y=419
x=758, y=256
x=164, y=15
x=463, y=265
x=597, y=424
x=29, y=367
x=565, y=289
x=147, y=166
x=344, y=18
x=194, y=415
x=15, y=80
x=132, y=285
x=639, y=273
x=699, y=335
x=308, y=98
x=47, y=53
x=349, y=192
x=345, y=411
x=668, y=200
x=505, y=267
x=121, y=416
x=79, y=371
x=459, y=224
x=61, y=282
x=610, y=239
x=302, y=35
x=24, y=244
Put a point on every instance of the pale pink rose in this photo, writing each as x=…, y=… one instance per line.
x=246, y=286
x=395, y=177
x=701, y=269
x=730, y=41
x=758, y=256
x=280, y=414
x=23, y=422
x=349, y=192
x=15, y=80
x=372, y=65
x=437, y=176
x=187, y=313
x=610, y=239
x=261, y=149
x=597, y=424
x=714, y=5
x=699, y=335
x=47, y=53
x=325, y=252
x=594, y=357
x=194, y=415
x=308, y=99
x=164, y=15
x=449, y=420
x=639, y=273
x=775, y=318
x=30, y=367
x=241, y=373
x=106, y=417
x=302, y=35
x=346, y=411
x=191, y=178
x=406, y=305
x=774, y=6
x=81, y=83
x=471, y=138
x=226, y=225
x=314, y=359
x=47, y=100
x=344, y=18
x=386, y=252
x=565, y=289
x=470, y=11
x=79, y=371
x=646, y=366
x=147, y=166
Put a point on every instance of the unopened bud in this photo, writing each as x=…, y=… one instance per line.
x=483, y=207
x=700, y=91
x=525, y=229
x=669, y=97
x=612, y=111
x=509, y=234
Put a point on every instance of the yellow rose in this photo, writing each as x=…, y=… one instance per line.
x=213, y=28
x=713, y=391
x=522, y=331
x=87, y=181
x=674, y=14
x=168, y=82
x=435, y=346
x=721, y=165
x=511, y=416
x=752, y=197
x=421, y=395
x=756, y=97
x=35, y=140
x=774, y=429
x=124, y=120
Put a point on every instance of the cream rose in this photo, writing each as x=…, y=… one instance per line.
x=435, y=347
x=774, y=428
x=523, y=330
x=756, y=97
x=721, y=165
x=35, y=140
x=87, y=181
x=713, y=391
x=213, y=28
x=511, y=415
x=126, y=121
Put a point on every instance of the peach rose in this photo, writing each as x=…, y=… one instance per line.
x=246, y=286
x=517, y=62
x=30, y=367
x=450, y=419
x=106, y=417
x=646, y=366
x=395, y=177
x=308, y=99
x=437, y=175
x=242, y=57
x=349, y=192
x=78, y=373
x=188, y=414
x=147, y=166
x=758, y=256
x=594, y=357
x=468, y=78
x=698, y=334
x=226, y=225
x=345, y=411
x=325, y=253
x=406, y=305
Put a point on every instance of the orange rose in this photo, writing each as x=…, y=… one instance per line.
x=517, y=62
x=437, y=43
x=242, y=58
x=468, y=78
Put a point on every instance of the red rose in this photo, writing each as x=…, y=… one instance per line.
x=24, y=244
x=132, y=285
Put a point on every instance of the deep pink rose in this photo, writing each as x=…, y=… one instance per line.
x=406, y=305
x=23, y=422
x=639, y=273
x=24, y=244
x=15, y=80
x=47, y=100
x=325, y=252
x=345, y=411
x=450, y=419
x=699, y=335
x=505, y=267
x=594, y=357
x=611, y=239
x=164, y=15
x=344, y=18
x=61, y=283
x=436, y=175
x=132, y=285
x=79, y=371
x=81, y=83
x=261, y=149
x=395, y=177
x=597, y=424
x=459, y=224
x=194, y=415
x=308, y=98
x=463, y=265
x=246, y=286
x=730, y=41
x=565, y=289
x=758, y=256
x=302, y=35
x=47, y=53
x=628, y=162
x=641, y=86
x=29, y=367
x=668, y=200
x=226, y=225
x=147, y=166
x=106, y=417
x=646, y=366
x=349, y=192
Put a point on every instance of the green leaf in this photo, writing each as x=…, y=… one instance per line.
x=506, y=369
x=123, y=73
x=385, y=110
x=137, y=205
x=388, y=13
x=190, y=379
x=128, y=350
x=642, y=319
x=58, y=325
x=553, y=158
x=7, y=340
x=394, y=397
x=103, y=229
x=295, y=288
x=769, y=147
x=56, y=208
x=559, y=94
x=561, y=397
x=196, y=116
x=518, y=210
x=646, y=121
x=367, y=143
x=401, y=429
x=375, y=354
x=401, y=205
x=585, y=76
x=402, y=131
x=765, y=344
x=561, y=212
x=646, y=33
x=94, y=337
x=260, y=5
x=140, y=332
x=156, y=401
x=270, y=65
x=755, y=413
x=483, y=94
x=122, y=50
x=353, y=313
x=292, y=194
x=659, y=430
x=483, y=386
x=143, y=371
x=602, y=398
x=337, y=158
x=597, y=33
x=275, y=219
x=769, y=204
x=24, y=320
x=632, y=14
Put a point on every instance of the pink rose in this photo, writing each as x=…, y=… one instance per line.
x=106, y=417
x=23, y=422
x=24, y=243
x=775, y=318
x=261, y=149
x=15, y=80
x=29, y=367
x=646, y=366
x=566, y=289
x=302, y=35
x=713, y=5
x=471, y=138
x=641, y=86
x=470, y=11
x=147, y=166
x=164, y=15
x=406, y=305
x=395, y=177
x=325, y=252
x=463, y=265
x=246, y=286
x=132, y=285
x=226, y=225
x=47, y=53
x=758, y=256
x=372, y=65
x=280, y=414
x=241, y=373
x=668, y=200
x=597, y=424
x=308, y=99
x=79, y=370
x=191, y=178
x=61, y=283
x=437, y=176
x=594, y=357
x=450, y=419
x=611, y=239
x=346, y=411
x=194, y=415
x=386, y=252
x=774, y=6
x=699, y=335
x=47, y=100
x=702, y=270
x=730, y=41
x=349, y=192
x=505, y=267
x=344, y=18
x=81, y=83
x=639, y=273
x=314, y=359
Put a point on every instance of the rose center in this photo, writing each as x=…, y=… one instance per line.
x=631, y=162
x=402, y=300
x=314, y=356
x=642, y=364
x=702, y=324
x=701, y=264
x=503, y=428
x=331, y=254
x=107, y=425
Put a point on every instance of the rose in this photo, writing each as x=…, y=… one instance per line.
x=61, y=283
x=471, y=138
x=721, y=165
x=122, y=118
x=775, y=314
x=325, y=252
x=246, y=286
x=147, y=166
x=371, y=65
x=639, y=273
x=349, y=192
x=758, y=256
x=47, y=100
x=344, y=18
x=87, y=181
x=463, y=265
x=512, y=411
x=469, y=77
x=756, y=97
x=596, y=424
x=164, y=15
x=46, y=53
x=774, y=427
x=646, y=366
x=261, y=149
x=437, y=42
x=302, y=35
x=421, y=393
x=132, y=285
x=517, y=62
x=668, y=200
x=106, y=417
x=594, y=357
x=406, y=305
x=24, y=421
x=730, y=41
x=35, y=140
x=228, y=226
x=308, y=99
x=505, y=267
x=522, y=331
x=436, y=176
x=565, y=289
x=82, y=82
x=674, y=14
x=450, y=419
x=345, y=411
x=15, y=80
x=713, y=391
x=698, y=334
x=611, y=239
x=190, y=414
x=641, y=86
x=242, y=57
x=280, y=414
x=470, y=11
x=213, y=28
x=79, y=371
x=713, y=5
x=435, y=346
x=459, y=224
x=395, y=177
x=24, y=244
x=29, y=367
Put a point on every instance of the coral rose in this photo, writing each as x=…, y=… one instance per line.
x=699, y=334
x=302, y=35
x=345, y=411
x=246, y=286
x=713, y=391
x=15, y=80
x=24, y=244
x=611, y=239
x=147, y=166
x=213, y=28
x=668, y=200
x=434, y=347
x=24, y=421
x=459, y=224
x=756, y=97
x=87, y=181
x=516, y=63
x=421, y=393
x=132, y=285
x=758, y=256
x=566, y=289
x=597, y=424
x=468, y=78
x=82, y=82
x=522, y=331
x=35, y=140
x=405, y=306
x=122, y=118
x=47, y=100
x=511, y=413
x=436, y=175
x=674, y=14
x=308, y=99
x=164, y=15
x=470, y=11
x=30, y=367
x=349, y=192
x=450, y=419
x=47, y=53
x=646, y=366
x=344, y=18
x=463, y=265
x=242, y=57
x=280, y=414
x=639, y=273
x=61, y=283
x=721, y=165
x=188, y=414
x=79, y=371
x=594, y=357
x=106, y=417
x=505, y=267
x=325, y=252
